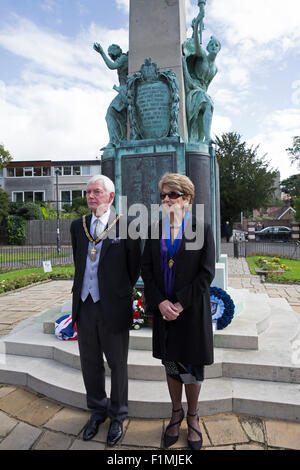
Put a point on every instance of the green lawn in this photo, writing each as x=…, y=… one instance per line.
x=293, y=275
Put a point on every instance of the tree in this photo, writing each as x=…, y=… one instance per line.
x=5, y=156
x=294, y=151
x=297, y=207
x=246, y=182
x=4, y=205
x=291, y=187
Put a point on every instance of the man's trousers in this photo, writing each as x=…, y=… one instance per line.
x=94, y=341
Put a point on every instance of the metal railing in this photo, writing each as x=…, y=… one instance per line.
x=33, y=256
x=248, y=248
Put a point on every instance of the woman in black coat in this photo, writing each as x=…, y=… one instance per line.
x=177, y=272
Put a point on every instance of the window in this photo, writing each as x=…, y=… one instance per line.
x=28, y=171
x=76, y=170
x=38, y=196
x=76, y=194
x=28, y=196
x=67, y=170
x=17, y=197
x=46, y=171
x=37, y=171
x=19, y=172
x=86, y=170
x=10, y=172
x=66, y=197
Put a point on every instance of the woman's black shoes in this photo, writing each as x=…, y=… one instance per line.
x=170, y=440
x=195, y=445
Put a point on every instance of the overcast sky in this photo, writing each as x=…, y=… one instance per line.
x=54, y=89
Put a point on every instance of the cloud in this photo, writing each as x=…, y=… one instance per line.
x=296, y=94
x=260, y=21
x=123, y=5
x=48, y=5
x=59, y=56
x=56, y=108
x=277, y=130
x=43, y=122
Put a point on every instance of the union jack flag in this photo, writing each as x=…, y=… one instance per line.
x=64, y=329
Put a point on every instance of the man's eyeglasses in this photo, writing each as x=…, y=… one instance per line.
x=171, y=195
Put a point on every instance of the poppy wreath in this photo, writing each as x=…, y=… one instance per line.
x=222, y=307
x=138, y=310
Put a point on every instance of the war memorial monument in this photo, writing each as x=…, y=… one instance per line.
x=160, y=121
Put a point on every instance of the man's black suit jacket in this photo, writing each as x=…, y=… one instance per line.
x=118, y=271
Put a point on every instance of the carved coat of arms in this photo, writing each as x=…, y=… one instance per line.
x=153, y=102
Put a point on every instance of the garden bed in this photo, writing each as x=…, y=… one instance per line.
x=274, y=269
x=18, y=278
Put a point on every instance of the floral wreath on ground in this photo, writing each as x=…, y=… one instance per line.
x=222, y=307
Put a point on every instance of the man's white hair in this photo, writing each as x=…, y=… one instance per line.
x=107, y=183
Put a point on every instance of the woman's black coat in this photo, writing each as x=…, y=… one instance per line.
x=189, y=338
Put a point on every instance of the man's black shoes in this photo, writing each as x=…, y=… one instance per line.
x=91, y=428
x=115, y=433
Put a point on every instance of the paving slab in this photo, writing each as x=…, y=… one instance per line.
x=224, y=429
x=87, y=445
x=38, y=412
x=53, y=441
x=6, y=424
x=68, y=420
x=283, y=435
x=17, y=400
x=148, y=433
x=5, y=390
x=22, y=437
x=249, y=447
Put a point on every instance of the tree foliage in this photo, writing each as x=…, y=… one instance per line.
x=246, y=182
x=297, y=207
x=4, y=205
x=5, y=156
x=291, y=187
x=294, y=151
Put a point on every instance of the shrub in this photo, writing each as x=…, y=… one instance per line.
x=30, y=211
x=16, y=230
x=4, y=207
x=79, y=202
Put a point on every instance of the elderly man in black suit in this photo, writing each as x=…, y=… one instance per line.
x=107, y=266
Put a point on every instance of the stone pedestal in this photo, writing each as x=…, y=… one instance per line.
x=157, y=29
x=136, y=168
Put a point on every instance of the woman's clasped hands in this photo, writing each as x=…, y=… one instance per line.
x=170, y=311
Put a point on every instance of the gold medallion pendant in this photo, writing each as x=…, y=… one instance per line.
x=170, y=263
x=93, y=254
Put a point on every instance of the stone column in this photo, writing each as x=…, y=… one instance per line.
x=157, y=29
x=295, y=235
x=251, y=231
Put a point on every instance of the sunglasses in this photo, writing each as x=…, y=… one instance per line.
x=171, y=195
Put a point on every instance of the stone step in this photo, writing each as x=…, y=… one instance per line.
x=252, y=317
x=150, y=399
x=273, y=365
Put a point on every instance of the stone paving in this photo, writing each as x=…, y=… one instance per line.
x=29, y=420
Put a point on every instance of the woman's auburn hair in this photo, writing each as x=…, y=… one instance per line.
x=178, y=182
